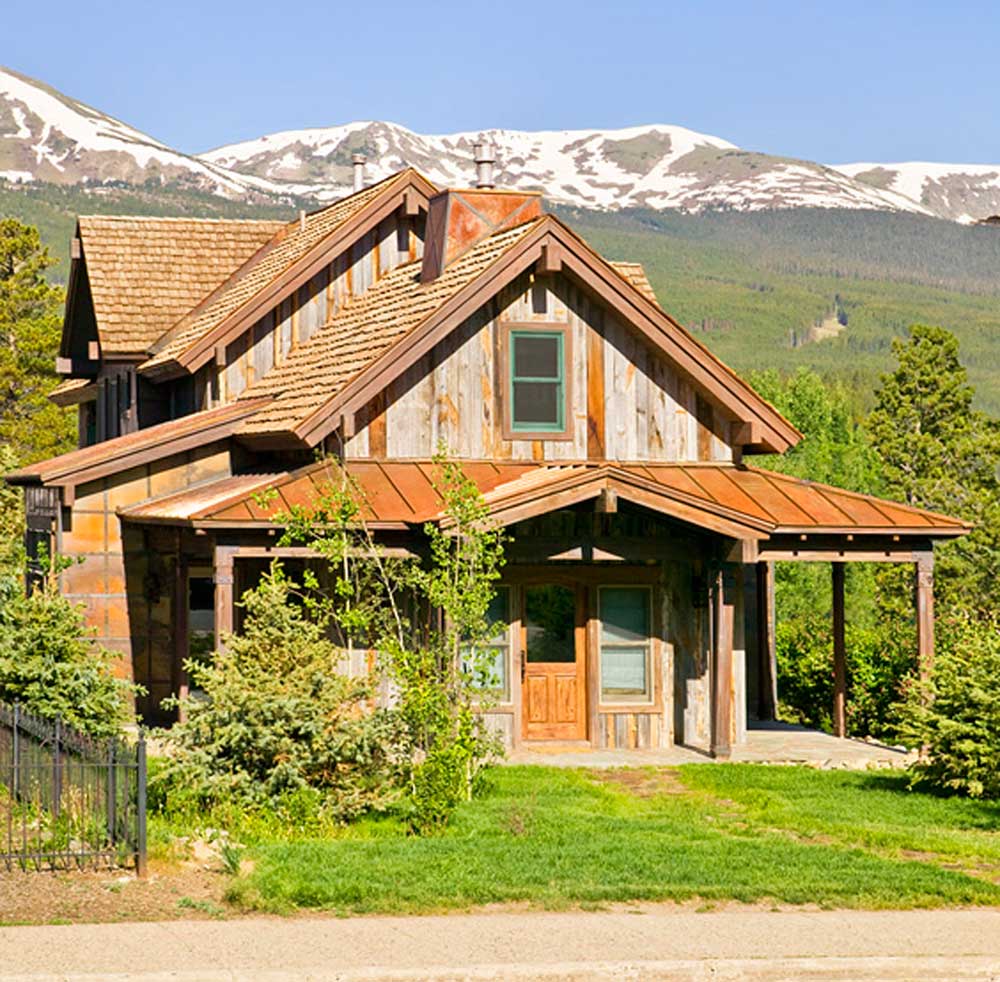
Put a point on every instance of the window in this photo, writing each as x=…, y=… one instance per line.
x=201, y=621
x=537, y=384
x=625, y=644
x=491, y=667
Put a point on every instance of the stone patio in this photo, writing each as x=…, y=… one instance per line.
x=767, y=743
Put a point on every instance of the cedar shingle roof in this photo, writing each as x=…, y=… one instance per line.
x=636, y=275
x=145, y=273
x=293, y=242
x=363, y=331
x=404, y=492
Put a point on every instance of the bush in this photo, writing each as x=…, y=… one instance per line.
x=277, y=726
x=956, y=717
x=880, y=660
x=49, y=663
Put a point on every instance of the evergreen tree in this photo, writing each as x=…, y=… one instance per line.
x=30, y=321
x=938, y=452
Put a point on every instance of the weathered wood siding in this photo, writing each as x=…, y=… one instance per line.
x=395, y=240
x=627, y=402
x=123, y=578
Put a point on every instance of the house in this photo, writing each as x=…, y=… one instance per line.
x=213, y=360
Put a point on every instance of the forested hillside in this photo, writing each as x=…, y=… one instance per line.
x=752, y=285
x=755, y=287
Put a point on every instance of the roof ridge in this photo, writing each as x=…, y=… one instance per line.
x=182, y=218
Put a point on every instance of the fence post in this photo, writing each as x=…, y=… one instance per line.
x=15, y=784
x=140, y=810
x=112, y=793
x=57, y=771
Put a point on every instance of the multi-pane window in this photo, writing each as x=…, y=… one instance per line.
x=490, y=668
x=625, y=643
x=537, y=381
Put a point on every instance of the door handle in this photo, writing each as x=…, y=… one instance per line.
x=524, y=664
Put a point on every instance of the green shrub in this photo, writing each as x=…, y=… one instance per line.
x=276, y=726
x=956, y=717
x=50, y=664
x=879, y=662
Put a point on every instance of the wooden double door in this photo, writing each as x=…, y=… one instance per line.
x=553, y=658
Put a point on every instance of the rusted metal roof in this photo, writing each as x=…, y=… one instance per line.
x=126, y=451
x=734, y=500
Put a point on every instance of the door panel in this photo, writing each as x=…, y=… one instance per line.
x=554, y=663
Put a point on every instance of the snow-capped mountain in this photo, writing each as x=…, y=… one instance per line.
x=963, y=192
x=50, y=137
x=47, y=136
x=649, y=166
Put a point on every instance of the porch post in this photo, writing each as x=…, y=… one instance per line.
x=223, y=580
x=924, y=589
x=722, y=676
x=767, y=690
x=179, y=675
x=839, y=654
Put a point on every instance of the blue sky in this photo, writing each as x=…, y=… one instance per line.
x=836, y=82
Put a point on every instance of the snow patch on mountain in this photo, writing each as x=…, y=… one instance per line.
x=961, y=192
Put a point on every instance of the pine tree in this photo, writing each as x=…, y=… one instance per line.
x=938, y=452
x=30, y=316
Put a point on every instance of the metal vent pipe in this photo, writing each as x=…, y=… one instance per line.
x=358, y=163
x=485, y=157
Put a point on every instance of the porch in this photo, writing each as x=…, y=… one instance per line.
x=767, y=742
x=639, y=598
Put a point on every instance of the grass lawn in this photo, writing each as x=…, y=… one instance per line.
x=556, y=838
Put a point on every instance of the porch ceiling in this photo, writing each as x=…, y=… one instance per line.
x=737, y=501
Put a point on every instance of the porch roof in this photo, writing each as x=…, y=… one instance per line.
x=738, y=501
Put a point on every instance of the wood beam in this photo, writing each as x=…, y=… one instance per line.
x=839, y=654
x=224, y=599
x=924, y=590
x=767, y=690
x=722, y=675
x=178, y=673
x=607, y=502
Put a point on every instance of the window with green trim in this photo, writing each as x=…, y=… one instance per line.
x=537, y=381
x=625, y=643
x=489, y=669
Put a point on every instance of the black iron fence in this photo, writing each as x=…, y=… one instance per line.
x=68, y=800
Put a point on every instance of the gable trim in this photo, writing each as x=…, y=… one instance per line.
x=398, y=193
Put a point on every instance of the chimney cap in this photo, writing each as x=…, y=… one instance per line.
x=358, y=158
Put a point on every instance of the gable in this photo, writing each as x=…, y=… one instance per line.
x=270, y=341
x=625, y=400
x=300, y=251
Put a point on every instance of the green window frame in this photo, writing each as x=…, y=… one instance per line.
x=521, y=384
x=626, y=643
x=495, y=661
